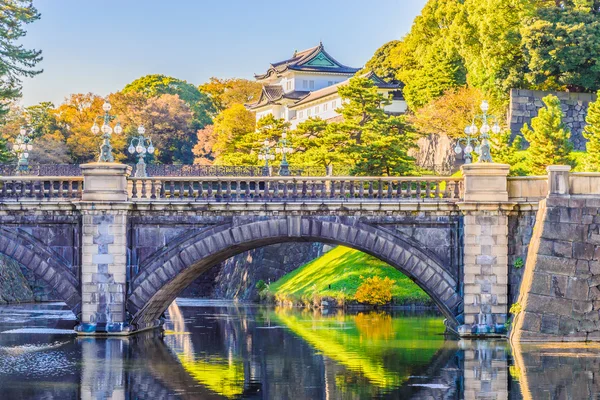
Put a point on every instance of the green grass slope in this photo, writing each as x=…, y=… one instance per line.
x=337, y=273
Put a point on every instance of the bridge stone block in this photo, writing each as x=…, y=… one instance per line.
x=485, y=210
x=103, y=268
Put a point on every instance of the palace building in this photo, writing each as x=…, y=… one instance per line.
x=305, y=86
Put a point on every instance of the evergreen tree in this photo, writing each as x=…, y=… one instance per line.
x=384, y=150
x=592, y=134
x=362, y=104
x=562, y=46
x=318, y=143
x=15, y=60
x=548, y=137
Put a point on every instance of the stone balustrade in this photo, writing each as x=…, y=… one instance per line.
x=232, y=189
x=527, y=188
x=51, y=188
x=584, y=183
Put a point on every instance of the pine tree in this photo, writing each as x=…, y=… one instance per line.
x=15, y=60
x=548, y=137
x=592, y=134
x=362, y=104
x=385, y=149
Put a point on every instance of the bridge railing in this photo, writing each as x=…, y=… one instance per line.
x=231, y=189
x=584, y=183
x=17, y=188
x=527, y=188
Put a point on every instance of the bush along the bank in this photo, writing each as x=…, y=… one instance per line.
x=375, y=291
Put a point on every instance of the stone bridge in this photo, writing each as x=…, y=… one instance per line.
x=118, y=250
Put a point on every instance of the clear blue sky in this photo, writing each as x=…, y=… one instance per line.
x=100, y=46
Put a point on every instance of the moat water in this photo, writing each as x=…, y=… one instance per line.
x=219, y=350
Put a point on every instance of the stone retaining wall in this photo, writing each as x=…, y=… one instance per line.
x=520, y=230
x=236, y=278
x=525, y=104
x=560, y=294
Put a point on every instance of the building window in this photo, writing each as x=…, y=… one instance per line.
x=325, y=107
x=289, y=85
x=316, y=109
x=301, y=114
x=311, y=85
x=333, y=104
x=304, y=84
x=308, y=112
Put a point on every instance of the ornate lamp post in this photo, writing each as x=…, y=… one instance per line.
x=21, y=148
x=483, y=139
x=107, y=130
x=284, y=148
x=266, y=154
x=141, y=149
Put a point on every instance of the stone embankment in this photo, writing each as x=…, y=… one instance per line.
x=14, y=287
x=560, y=293
x=237, y=277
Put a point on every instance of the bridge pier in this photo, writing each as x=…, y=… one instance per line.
x=104, y=210
x=485, y=266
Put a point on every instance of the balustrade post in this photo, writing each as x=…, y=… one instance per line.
x=558, y=180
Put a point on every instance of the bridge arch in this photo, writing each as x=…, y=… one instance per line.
x=165, y=275
x=44, y=263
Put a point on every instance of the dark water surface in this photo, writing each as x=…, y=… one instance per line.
x=214, y=350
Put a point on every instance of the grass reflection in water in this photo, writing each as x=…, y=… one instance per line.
x=381, y=348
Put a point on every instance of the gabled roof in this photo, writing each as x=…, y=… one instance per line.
x=329, y=90
x=315, y=59
x=273, y=93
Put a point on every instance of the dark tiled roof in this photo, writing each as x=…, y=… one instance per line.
x=329, y=90
x=300, y=61
x=273, y=93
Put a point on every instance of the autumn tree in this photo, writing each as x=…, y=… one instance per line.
x=230, y=130
x=224, y=93
x=168, y=122
x=592, y=134
x=75, y=117
x=49, y=142
x=203, y=149
x=449, y=114
x=153, y=86
x=548, y=137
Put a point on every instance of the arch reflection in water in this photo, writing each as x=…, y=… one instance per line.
x=265, y=353
x=224, y=351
